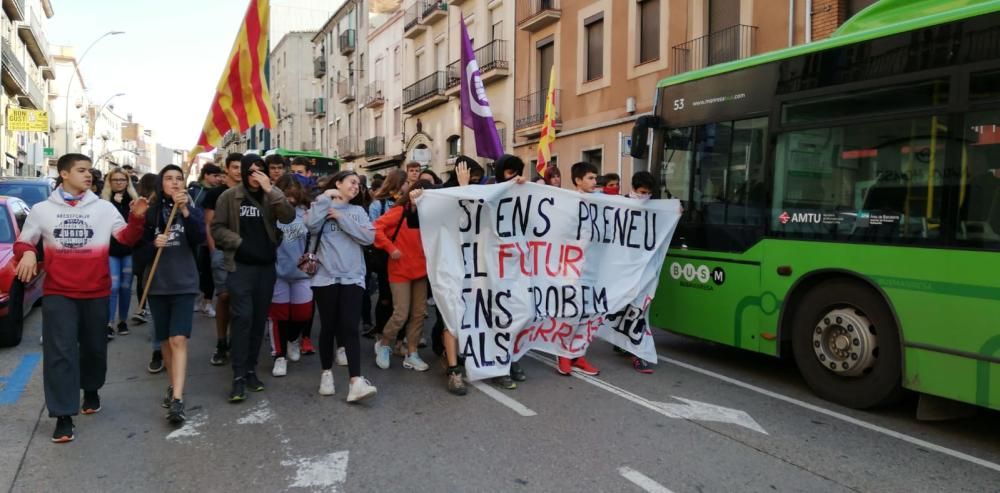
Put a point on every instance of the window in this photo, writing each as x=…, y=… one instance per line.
x=649, y=30
x=396, y=120
x=546, y=59
x=418, y=67
x=594, y=32
x=396, y=61
x=379, y=129
x=497, y=31
x=910, y=96
x=454, y=144
x=594, y=156
x=978, y=224
x=441, y=55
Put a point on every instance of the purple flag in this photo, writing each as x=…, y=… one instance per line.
x=476, y=112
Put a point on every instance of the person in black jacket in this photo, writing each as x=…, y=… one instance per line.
x=119, y=191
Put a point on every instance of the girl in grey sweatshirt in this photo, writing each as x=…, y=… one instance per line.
x=342, y=228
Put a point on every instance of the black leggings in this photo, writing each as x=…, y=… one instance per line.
x=339, y=316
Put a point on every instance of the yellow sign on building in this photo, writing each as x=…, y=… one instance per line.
x=19, y=120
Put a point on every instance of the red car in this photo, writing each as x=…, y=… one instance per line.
x=16, y=297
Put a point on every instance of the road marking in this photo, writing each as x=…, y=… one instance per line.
x=13, y=385
x=833, y=414
x=190, y=428
x=259, y=414
x=503, y=399
x=642, y=481
x=326, y=472
x=691, y=410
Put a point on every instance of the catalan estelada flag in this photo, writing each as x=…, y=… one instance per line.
x=242, y=98
x=548, y=135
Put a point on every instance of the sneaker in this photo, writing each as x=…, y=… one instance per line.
x=382, y=355
x=341, y=357
x=370, y=332
x=220, y=356
x=294, y=350
x=239, y=392
x=254, y=383
x=431, y=302
x=209, y=310
x=565, y=365
x=168, y=397
x=326, y=383
x=641, y=366
x=456, y=385
x=111, y=333
x=123, y=328
x=585, y=367
x=176, y=413
x=361, y=389
x=517, y=373
x=156, y=363
x=280, y=367
x=504, y=382
x=141, y=317
x=423, y=343
x=199, y=306
x=307, y=346
x=412, y=361
x=91, y=402
x=64, y=430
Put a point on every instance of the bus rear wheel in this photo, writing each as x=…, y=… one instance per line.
x=846, y=345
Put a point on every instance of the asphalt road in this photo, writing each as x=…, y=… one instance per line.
x=709, y=419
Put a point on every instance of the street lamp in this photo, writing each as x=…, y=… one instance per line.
x=93, y=124
x=72, y=76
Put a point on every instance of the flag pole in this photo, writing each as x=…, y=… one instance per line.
x=156, y=260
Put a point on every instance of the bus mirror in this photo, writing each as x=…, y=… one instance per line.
x=640, y=135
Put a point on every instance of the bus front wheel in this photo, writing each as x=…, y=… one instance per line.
x=846, y=344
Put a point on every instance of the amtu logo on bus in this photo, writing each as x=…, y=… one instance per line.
x=800, y=217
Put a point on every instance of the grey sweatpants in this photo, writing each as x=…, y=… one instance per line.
x=250, y=290
x=75, y=350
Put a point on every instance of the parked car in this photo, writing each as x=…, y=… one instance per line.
x=30, y=190
x=16, y=297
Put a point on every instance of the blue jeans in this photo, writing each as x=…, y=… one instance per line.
x=121, y=288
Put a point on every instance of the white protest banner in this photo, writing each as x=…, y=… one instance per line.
x=520, y=267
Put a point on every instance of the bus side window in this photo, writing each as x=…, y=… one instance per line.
x=979, y=200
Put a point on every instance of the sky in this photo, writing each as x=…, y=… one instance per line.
x=169, y=60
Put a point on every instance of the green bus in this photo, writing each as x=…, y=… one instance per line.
x=842, y=203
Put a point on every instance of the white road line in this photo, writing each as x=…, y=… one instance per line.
x=833, y=414
x=642, y=481
x=503, y=399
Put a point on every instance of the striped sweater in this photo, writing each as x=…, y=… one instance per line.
x=76, y=241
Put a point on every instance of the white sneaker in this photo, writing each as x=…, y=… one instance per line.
x=341, y=357
x=431, y=302
x=412, y=361
x=361, y=389
x=382, y=355
x=326, y=383
x=199, y=306
x=280, y=367
x=209, y=310
x=294, y=350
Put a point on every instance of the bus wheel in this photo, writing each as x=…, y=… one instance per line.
x=846, y=345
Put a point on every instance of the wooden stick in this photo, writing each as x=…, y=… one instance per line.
x=156, y=260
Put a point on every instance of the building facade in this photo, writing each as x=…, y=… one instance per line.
x=381, y=99
x=291, y=90
x=26, y=74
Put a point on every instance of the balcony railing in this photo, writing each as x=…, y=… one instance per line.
x=319, y=107
x=34, y=98
x=428, y=88
x=529, y=111
x=373, y=96
x=433, y=10
x=319, y=66
x=346, y=89
x=347, y=147
x=375, y=147
x=533, y=15
x=348, y=41
x=34, y=39
x=14, y=76
x=411, y=17
x=14, y=9
x=493, y=63
x=733, y=43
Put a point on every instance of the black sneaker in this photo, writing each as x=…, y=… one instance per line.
x=91, y=402
x=111, y=333
x=517, y=373
x=64, y=430
x=168, y=397
x=254, y=383
x=123, y=328
x=156, y=363
x=141, y=317
x=504, y=382
x=220, y=356
x=176, y=413
x=239, y=392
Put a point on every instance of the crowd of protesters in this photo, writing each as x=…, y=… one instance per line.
x=263, y=247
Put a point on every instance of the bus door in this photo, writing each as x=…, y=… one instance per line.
x=710, y=286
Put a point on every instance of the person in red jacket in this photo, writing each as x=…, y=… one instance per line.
x=398, y=233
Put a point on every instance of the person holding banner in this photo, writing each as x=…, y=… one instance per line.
x=341, y=228
x=175, y=228
x=75, y=227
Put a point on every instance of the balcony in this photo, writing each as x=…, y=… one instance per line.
x=375, y=147
x=534, y=15
x=433, y=11
x=14, y=9
x=348, y=42
x=317, y=107
x=346, y=90
x=456, y=2
x=48, y=73
x=732, y=43
x=411, y=20
x=34, y=99
x=34, y=38
x=373, y=96
x=529, y=114
x=15, y=79
x=319, y=67
x=493, y=64
x=425, y=93
x=347, y=148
